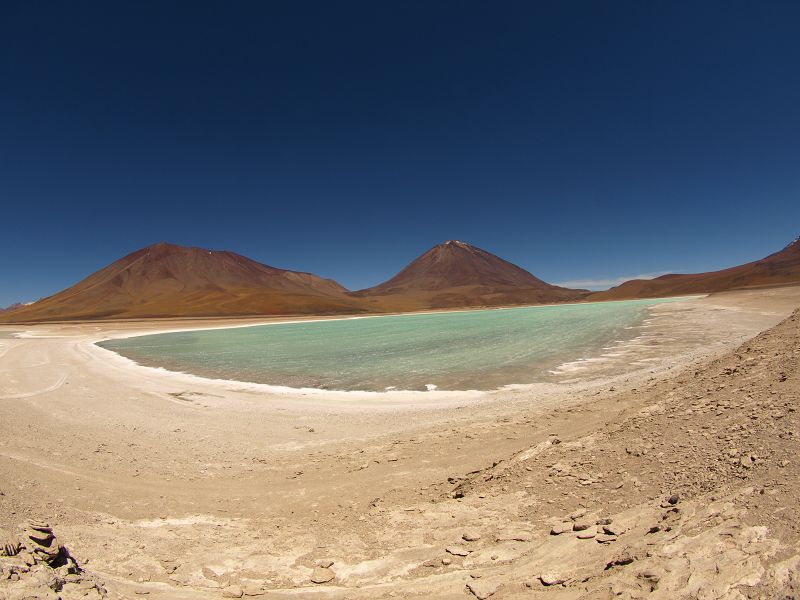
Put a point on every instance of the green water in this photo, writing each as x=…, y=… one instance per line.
x=459, y=350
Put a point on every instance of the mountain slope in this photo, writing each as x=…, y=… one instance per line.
x=779, y=268
x=169, y=280
x=456, y=274
x=14, y=306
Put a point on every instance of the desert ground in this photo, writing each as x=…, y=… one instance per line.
x=667, y=470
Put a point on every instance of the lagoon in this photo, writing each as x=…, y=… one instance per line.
x=460, y=350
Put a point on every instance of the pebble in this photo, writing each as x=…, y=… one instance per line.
x=232, y=591
x=561, y=528
x=581, y=512
x=457, y=550
x=551, y=578
x=322, y=575
x=252, y=589
x=471, y=536
x=482, y=589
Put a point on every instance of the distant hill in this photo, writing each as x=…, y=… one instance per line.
x=457, y=274
x=168, y=280
x=12, y=307
x=776, y=269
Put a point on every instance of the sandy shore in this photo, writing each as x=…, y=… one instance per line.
x=176, y=486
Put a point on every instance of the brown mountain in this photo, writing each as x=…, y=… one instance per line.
x=456, y=274
x=168, y=280
x=14, y=306
x=776, y=269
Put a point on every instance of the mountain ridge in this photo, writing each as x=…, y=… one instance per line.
x=166, y=280
x=778, y=268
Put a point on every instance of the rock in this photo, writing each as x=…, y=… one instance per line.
x=561, y=528
x=612, y=529
x=513, y=536
x=673, y=499
x=323, y=563
x=40, y=541
x=621, y=560
x=232, y=591
x=253, y=589
x=322, y=575
x=605, y=539
x=581, y=512
x=9, y=544
x=551, y=578
x=30, y=591
x=170, y=566
x=482, y=589
x=457, y=550
x=581, y=526
x=650, y=575
x=471, y=536
x=586, y=535
x=447, y=561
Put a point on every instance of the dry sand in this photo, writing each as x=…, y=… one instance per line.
x=171, y=486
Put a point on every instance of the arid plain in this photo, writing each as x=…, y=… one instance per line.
x=668, y=473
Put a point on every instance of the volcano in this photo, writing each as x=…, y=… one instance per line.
x=457, y=274
x=165, y=280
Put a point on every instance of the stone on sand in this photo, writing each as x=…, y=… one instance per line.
x=322, y=575
x=561, y=528
x=232, y=591
x=551, y=578
x=482, y=589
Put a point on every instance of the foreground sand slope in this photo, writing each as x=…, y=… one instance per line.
x=655, y=485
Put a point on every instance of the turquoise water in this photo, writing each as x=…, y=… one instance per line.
x=459, y=350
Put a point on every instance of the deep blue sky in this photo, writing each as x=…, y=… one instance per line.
x=581, y=140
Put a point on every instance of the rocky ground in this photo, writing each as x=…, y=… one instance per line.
x=678, y=486
x=33, y=564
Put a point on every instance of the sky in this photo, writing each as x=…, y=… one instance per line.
x=585, y=141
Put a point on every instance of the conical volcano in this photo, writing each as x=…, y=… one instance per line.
x=455, y=274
